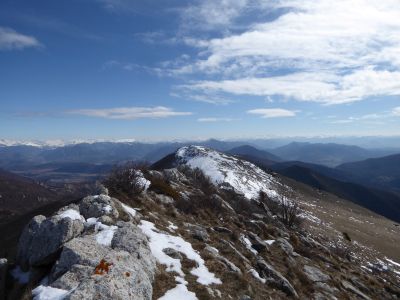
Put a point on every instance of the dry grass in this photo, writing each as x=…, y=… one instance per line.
x=163, y=282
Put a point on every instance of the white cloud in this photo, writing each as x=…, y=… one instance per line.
x=213, y=119
x=396, y=111
x=374, y=118
x=272, y=112
x=332, y=52
x=130, y=113
x=10, y=40
x=320, y=87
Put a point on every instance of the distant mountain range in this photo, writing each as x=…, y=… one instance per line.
x=381, y=172
x=326, y=154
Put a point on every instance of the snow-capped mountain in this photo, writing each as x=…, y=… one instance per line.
x=243, y=176
x=59, y=143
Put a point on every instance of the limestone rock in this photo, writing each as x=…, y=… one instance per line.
x=42, y=239
x=97, y=206
x=272, y=276
x=348, y=286
x=315, y=274
x=257, y=243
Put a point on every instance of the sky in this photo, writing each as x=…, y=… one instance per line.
x=176, y=69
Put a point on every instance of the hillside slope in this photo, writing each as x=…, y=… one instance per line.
x=381, y=172
x=384, y=203
x=200, y=231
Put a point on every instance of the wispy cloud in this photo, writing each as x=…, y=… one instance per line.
x=10, y=40
x=213, y=120
x=211, y=15
x=130, y=113
x=332, y=53
x=272, y=112
x=396, y=111
x=374, y=118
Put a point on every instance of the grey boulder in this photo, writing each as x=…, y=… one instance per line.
x=43, y=238
x=98, y=206
x=273, y=277
x=315, y=274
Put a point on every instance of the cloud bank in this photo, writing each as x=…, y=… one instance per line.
x=130, y=113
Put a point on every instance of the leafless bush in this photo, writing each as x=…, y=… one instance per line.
x=162, y=186
x=287, y=211
x=126, y=179
x=199, y=179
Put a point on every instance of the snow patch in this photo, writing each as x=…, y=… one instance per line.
x=247, y=243
x=257, y=276
x=244, y=177
x=129, y=210
x=269, y=242
x=172, y=226
x=48, y=293
x=160, y=241
x=107, y=209
x=106, y=234
x=72, y=214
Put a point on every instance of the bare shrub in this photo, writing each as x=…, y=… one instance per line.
x=126, y=179
x=287, y=211
x=199, y=180
x=162, y=186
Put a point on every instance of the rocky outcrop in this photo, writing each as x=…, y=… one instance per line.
x=315, y=274
x=273, y=277
x=93, y=254
x=43, y=238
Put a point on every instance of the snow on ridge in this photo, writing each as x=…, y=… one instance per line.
x=243, y=176
x=160, y=241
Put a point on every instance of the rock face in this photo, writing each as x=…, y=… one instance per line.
x=273, y=276
x=42, y=239
x=315, y=274
x=98, y=206
x=90, y=259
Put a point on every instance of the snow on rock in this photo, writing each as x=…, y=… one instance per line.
x=72, y=214
x=129, y=209
x=141, y=181
x=248, y=244
x=244, y=177
x=160, y=241
x=107, y=209
x=48, y=293
x=172, y=226
x=106, y=234
x=257, y=276
x=269, y=242
x=392, y=262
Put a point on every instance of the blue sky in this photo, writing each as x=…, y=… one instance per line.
x=198, y=69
